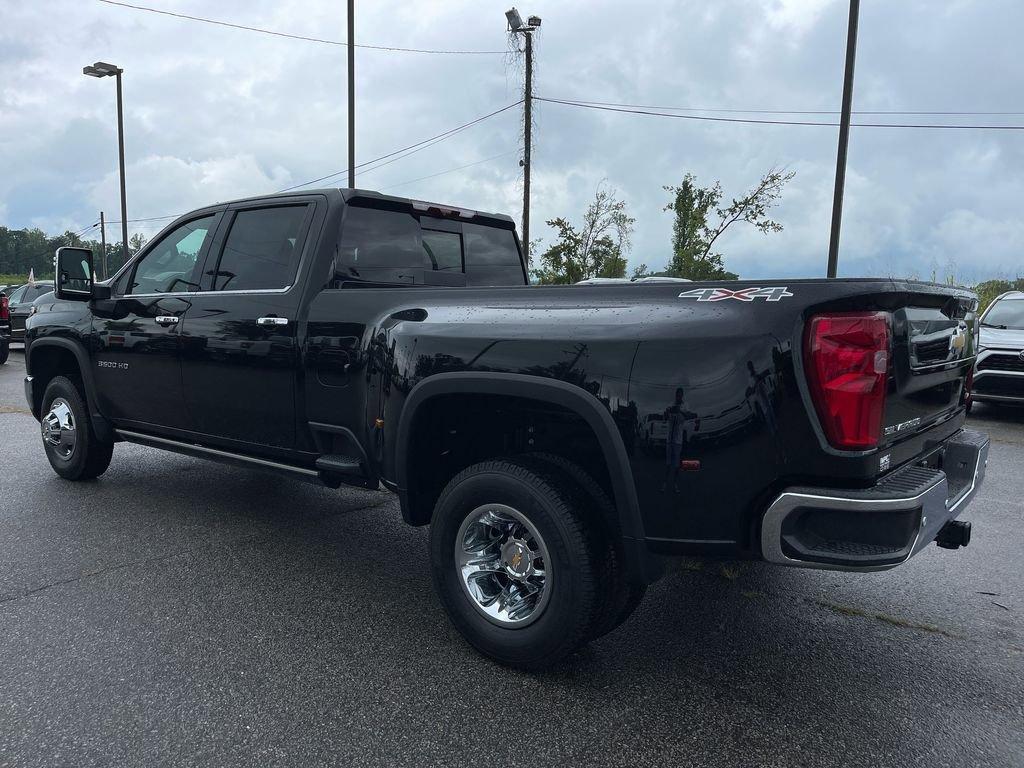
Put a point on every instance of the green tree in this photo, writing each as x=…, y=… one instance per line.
x=701, y=219
x=597, y=248
x=990, y=289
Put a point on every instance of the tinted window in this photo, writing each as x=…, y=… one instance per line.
x=14, y=298
x=443, y=249
x=490, y=247
x=39, y=291
x=169, y=266
x=262, y=249
x=372, y=239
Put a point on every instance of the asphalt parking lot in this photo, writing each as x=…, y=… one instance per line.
x=178, y=612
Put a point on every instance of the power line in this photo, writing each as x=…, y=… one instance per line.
x=451, y=170
x=290, y=36
x=753, y=121
x=786, y=111
x=409, y=150
x=151, y=218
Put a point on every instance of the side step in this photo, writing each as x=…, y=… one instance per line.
x=215, y=454
x=335, y=469
x=340, y=465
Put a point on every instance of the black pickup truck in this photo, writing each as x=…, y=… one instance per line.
x=563, y=442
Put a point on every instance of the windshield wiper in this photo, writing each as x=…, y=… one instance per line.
x=993, y=325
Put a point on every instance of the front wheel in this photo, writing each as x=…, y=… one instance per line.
x=516, y=563
x=74, y=451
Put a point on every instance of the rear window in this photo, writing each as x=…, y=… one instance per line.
x=443, y=249
x=393, y=246
x=490, y=247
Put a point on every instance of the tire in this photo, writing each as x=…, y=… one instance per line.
x=549, y=519
x=74, y=451
x=5, y=352
x=622, y=597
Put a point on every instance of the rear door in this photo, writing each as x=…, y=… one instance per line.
x=137, y=345
x=240, y=344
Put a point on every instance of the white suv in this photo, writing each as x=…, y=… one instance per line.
x=999, y=369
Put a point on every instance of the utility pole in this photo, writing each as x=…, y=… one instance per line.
x=844, y=139
x=103, y=245
x=527, y=143
x=517, y=27
x=351, y=94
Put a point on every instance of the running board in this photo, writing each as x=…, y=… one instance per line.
x=215, y=454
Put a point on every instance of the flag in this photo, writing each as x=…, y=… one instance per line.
x=31, y=277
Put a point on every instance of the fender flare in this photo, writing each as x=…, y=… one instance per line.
x=554, y=391
x=100, y=425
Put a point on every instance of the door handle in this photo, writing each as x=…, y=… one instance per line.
x=166, y=320
x=272, y=320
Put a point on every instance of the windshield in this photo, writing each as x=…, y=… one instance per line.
x=1008, y=313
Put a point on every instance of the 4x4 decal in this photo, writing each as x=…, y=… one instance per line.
x=777, y=293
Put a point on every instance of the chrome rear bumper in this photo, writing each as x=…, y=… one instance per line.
x=880, y=527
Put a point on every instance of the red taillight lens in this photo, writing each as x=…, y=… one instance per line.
x=847, y=361
x=5, y=309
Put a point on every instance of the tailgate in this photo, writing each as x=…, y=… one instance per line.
x=933, y=349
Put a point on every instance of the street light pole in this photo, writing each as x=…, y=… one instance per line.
x=102, y=69
x=844, y=139
x=120, y=160
x=351, y=95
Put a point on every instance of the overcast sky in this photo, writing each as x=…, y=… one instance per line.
x=214, y=113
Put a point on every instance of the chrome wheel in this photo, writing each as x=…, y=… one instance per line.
x=58, y=427
x=503, y=565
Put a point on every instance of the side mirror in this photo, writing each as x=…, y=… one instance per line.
x=73, y=267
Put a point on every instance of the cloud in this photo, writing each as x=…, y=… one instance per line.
x=214, y=113
x=181, y=182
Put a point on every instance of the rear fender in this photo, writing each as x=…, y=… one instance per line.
x=639, y=564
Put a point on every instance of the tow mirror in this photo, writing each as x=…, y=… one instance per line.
x=74, y=274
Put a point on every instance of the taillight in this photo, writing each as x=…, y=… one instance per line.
x=847, y=361
x=5, y=309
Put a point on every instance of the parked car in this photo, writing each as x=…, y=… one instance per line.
x=999, y=371
x=343, y=336
x=5, y=328
x=21, y=300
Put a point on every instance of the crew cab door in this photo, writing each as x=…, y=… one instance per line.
x=240, y=344
x=137, y=332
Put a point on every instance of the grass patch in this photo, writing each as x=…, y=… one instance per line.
x=895, y=621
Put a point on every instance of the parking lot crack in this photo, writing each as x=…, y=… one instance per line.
x=101, y=571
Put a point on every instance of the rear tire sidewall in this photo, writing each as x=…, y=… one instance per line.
x=544, y=638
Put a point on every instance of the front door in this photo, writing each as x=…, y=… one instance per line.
x=240, y=351
x=137, y=331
